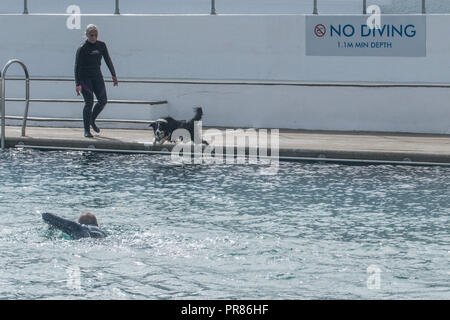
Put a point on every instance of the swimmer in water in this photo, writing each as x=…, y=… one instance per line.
x=86, y=227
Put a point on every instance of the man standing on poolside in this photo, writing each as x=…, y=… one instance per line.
x=89, y=78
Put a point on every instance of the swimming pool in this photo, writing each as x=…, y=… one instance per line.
x=313, y=231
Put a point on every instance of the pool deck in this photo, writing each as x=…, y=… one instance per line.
x=383, y=147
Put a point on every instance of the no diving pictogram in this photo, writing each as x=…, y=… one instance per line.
x=320, y=30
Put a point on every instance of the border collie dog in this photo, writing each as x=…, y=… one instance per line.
x=164, y=127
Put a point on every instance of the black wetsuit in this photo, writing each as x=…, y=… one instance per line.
x=89, y=76
x=74, y=229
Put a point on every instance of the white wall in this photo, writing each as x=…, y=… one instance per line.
x=238, y=47
x=395, y=109
x=261, y=47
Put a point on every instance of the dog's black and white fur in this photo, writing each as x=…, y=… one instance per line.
x=164, y=127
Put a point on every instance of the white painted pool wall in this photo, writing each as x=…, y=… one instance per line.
x=242, y=48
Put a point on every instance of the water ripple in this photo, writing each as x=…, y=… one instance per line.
x=222, y=231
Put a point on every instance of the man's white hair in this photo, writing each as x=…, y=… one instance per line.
x=91, y=27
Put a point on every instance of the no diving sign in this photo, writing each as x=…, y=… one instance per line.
x=320, y=30
x=396, y=36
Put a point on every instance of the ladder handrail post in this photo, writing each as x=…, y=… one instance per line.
x=3, y=113
x=3, y=98
x=27, y=105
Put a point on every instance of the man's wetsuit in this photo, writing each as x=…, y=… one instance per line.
x=89, y=76
x=74, y=229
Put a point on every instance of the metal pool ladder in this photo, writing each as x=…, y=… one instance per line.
x=27, y=97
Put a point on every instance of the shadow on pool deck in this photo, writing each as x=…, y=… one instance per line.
x=292, y=143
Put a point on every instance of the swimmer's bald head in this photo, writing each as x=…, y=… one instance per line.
x=88, y=219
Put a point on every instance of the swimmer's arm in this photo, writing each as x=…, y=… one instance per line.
x=67, y=226
x=99, y=234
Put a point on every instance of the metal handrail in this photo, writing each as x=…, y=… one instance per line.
x=117, y=5
x=77, y=120
x=3, y=100
x=152, y=103
x=258, y=83
x=117, y=11
x=28, y=100
x=213, y=7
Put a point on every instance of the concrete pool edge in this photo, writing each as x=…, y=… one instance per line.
x=294, y=145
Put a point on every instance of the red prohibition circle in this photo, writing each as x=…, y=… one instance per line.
x=320, y=30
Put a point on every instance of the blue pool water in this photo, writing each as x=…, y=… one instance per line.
x=313, y=231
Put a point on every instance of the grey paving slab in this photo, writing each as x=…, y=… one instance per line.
x=292, y=143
